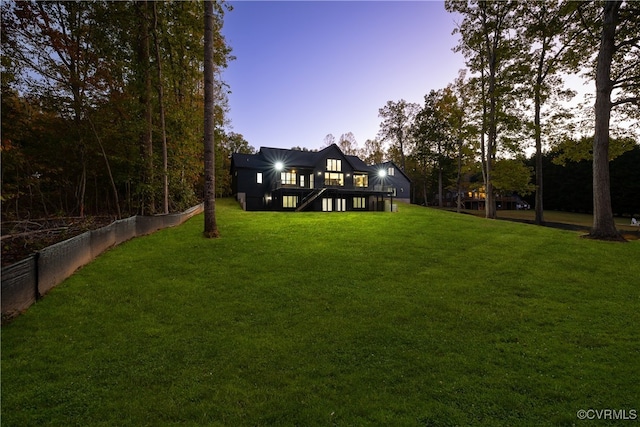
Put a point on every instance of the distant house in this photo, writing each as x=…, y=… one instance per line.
x=476, y=200
x=326, y=180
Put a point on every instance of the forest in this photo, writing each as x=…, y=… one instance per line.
x=103, y=110
x=510, y=116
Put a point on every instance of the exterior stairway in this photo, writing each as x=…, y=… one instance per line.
x=310, y=198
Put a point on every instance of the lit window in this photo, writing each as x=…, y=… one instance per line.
x=311, y=181
x=359, y=203
x=332, y=178
x=334, y=165
x=259, y=177
x=288, y=178
x=289, y=201
x=327, y=205
x=301, y=180
x=341, y=205
x=391, y=171
x=360, y=180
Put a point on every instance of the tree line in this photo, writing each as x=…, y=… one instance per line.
x=477, y=132
x=103, y=107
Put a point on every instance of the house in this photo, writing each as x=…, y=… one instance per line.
x=476, y=199
x=326, y=180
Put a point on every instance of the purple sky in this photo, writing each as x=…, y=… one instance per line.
x=307, y=69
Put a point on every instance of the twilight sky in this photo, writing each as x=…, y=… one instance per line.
x=307, y=69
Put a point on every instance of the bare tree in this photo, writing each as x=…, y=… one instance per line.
x=397, y=120
x=348, y=144
x=328, y=140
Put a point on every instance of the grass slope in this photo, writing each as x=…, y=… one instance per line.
x=421, y=317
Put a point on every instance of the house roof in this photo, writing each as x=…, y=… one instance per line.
x=358, y=164
x=290, y=157
x=268, y=156
x=249, y=161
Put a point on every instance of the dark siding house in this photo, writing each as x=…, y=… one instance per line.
x=327, y=180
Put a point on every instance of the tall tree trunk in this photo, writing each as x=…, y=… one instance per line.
x=490, y=208
x=603, y=223
x=401, y=140
x=210, y=226
x=146, y=136
x=537, y=100
x=424, y=192
x=106, y=160
x=82, y=149
x=459, y=179
x=539, y=220
x=483, y=132
x=165, y=162
x=440, y=201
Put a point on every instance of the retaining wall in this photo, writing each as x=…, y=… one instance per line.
x=24, y=282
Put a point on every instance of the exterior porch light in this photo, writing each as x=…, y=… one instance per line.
x=382, y=173
x=279, y=166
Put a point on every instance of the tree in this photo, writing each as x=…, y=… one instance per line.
x=143, y=63
x=328, y=140
x=512, y=175
x=348, y=144
x=89, y=91
x=397, y=119
x=550, y=30
x=210, y=225
x=163, y=126
x=576, y=150
x=490, y=47
x=54, y=41
x=372, y=152
x=429, y=135
x=437, y=136
x=617, y=67
x=464, y=130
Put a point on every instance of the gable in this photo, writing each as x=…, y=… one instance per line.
x=334, y=152
x=399, y=171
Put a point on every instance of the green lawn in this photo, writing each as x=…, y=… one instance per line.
x=582, y=220
x=421, y=317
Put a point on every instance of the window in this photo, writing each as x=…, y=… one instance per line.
x=391, y=171
x=288, y=178
x=259, y=177
x=301, y=180
x=341, y=205
x=360, y=180
x=327, y=205
x=289, y=201
x=334, y=165
x=359, y=203
x=311, y=181
x=332, y=178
